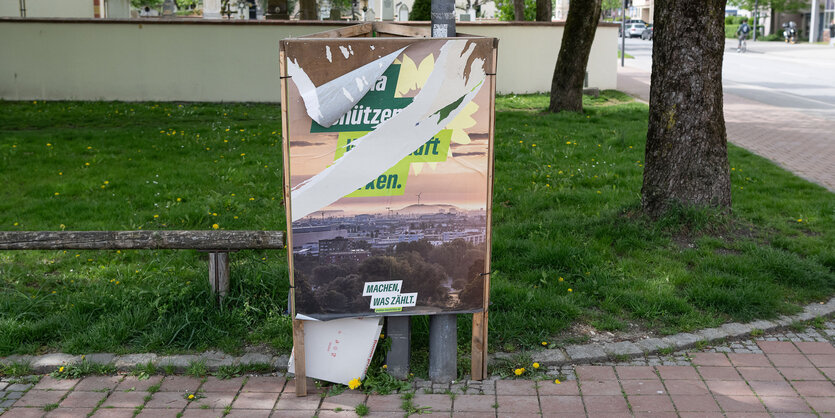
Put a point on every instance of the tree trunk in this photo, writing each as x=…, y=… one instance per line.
x=570, y=72
x=307, y=10
x=543, y=10
x=518, y=10
x=686, y=152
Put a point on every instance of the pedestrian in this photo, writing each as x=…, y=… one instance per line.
x=832, y=33
x=742, y=32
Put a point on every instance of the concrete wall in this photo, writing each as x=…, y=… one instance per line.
x=135, y=60
x=48, y=8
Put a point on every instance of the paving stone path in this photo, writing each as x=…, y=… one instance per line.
x=796, y=141
x=787, y=373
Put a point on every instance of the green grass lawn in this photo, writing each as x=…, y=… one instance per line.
x=569, y=243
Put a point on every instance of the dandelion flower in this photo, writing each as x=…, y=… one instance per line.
x=243, y=154
x=557, y=381
x=86, y=164
x=190, y=397
x=179, y=199
x=569, y=289
x=15, y=224
x=215, y=226
x=385, y=366
x=519, y=371
x=354, y=383
x=545, y=343
x=61, y=369
x=156, y=216
x=535, y=365
x=800, y=220
x=56, y=193
x=251, y=198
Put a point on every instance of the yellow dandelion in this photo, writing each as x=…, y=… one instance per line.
x=535, y=365
x=354, y=383
x=179, y=199
x=545, y=343
x=385, y=366
x=190, y=397
x=57, y=194
x=61, y=369
x=214, y=214
x=800, y=220
x=569, y=289
x=156, y=216
x=251, y=198
x=60, y=173
x=215, y=226
x=557, y=381
x=86, y=164
x=519, y=371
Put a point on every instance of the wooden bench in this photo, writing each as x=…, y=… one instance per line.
x=217, y=243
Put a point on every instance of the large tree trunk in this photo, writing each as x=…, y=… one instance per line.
x=307, y=10
x=543, y=10
x=518, y=10
x=570, y=72
x=686, y=151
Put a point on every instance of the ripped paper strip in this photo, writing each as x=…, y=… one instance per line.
x=327, y=103
x=452, y=85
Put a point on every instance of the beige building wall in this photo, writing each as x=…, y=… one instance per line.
x=224, y=61
x=643, y=9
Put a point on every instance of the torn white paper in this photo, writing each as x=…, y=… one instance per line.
x=327, y=103
x=339, y=350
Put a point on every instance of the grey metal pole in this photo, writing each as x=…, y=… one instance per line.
x=443, y=18
x=399, y=330
x=756, y=17
x=813, y=22
x=443, y=348
x=443, y=331
x=623, y=34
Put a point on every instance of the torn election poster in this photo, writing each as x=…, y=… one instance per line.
x=388, y=149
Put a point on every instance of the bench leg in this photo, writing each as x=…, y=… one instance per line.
x=219, y=274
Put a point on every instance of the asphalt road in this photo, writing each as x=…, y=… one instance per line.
x=800, y=77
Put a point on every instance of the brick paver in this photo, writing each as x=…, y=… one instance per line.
x=756, y=378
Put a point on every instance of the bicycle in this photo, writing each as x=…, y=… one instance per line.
x=743, y=44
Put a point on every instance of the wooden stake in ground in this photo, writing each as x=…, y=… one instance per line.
x=570, y=72
x=686, y=153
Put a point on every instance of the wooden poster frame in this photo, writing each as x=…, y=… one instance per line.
x=386, y=30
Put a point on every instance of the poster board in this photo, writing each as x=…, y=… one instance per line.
x=388, y=173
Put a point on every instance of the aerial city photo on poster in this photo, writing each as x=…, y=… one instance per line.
x=389, y=190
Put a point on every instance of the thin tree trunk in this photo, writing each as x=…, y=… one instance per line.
x=570, y=72
x=308, y=10
x=518, y=10
x=686, y=151
x=543, y=10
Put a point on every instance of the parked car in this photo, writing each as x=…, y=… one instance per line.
x=628, y=21
x=647, y=33
x=634, y=30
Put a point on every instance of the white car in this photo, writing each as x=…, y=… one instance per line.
x=634, y=30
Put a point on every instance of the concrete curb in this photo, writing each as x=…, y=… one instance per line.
x=572, y=354
x=596, y=352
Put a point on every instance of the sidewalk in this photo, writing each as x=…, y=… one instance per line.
x=798, y=142
x=783, y=374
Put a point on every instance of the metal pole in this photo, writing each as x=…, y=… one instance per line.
x=443, y=18
x=756, y=17
x=22, y=8
x=443, y=331
x=623, y=34
x=813, y=22
x=399, y=330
